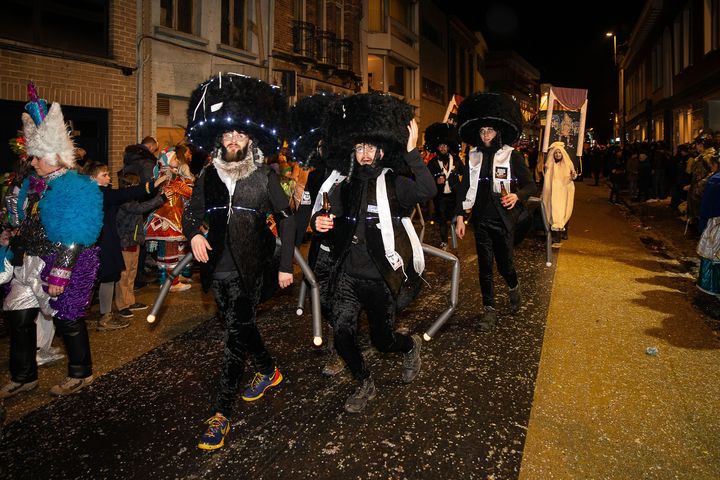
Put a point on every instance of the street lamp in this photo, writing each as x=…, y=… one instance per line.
x=614, y=37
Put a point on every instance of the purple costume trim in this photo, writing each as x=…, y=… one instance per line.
x=75, y=300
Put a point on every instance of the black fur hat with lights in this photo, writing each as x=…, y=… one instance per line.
x=374, y=118
x=232, y=101
x=487, y=109
x=441, y=133
x=308, y=126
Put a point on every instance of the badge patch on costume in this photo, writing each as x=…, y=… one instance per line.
x=372, y=209
x=394, y=259
x=305, y=200
x=501, y=173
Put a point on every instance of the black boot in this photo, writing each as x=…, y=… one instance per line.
x=564, y=233
x=23, y=344
x=77, y=345
x=515, y=299
x=556, y=238
x=357, y=401
x=488, y=319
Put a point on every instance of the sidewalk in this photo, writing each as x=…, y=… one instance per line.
x=603, y=407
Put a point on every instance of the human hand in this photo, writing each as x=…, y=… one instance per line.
x=324, y=223
x=160, y=180
x=285, y=279
x=200, y=247
x=509, y=200
x=412, y=135
x=55, y=290
x=460, y=226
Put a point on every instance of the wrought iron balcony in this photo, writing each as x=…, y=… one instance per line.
x=326, y=51
x=304, y=40
x=344, y=55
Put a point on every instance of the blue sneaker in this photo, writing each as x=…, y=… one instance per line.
x=214, y=437
x=260, y=384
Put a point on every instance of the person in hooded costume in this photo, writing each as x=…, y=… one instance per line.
x=558, y=194
x=308, y=145
x=238, y=120
x=53, y=263
x=493, y=189
x=441, y=139
x=374, y=247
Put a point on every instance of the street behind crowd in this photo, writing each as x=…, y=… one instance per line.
x=563, y=389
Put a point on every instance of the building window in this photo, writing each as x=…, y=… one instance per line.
x=433, y=90
x=397, y=77
x=233, y=23
x=78, y=27
x=401, y=12
x=431, y=33
x=657, y=63
x=376, y=16
x=178, y=15
x=376, y=74
x=686, y=38
x=715, y=24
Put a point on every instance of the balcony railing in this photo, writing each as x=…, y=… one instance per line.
x=304, y=39
x=344, y=55
x=326, y=53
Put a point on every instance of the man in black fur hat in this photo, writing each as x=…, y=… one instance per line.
x=494, y=187
x=309, y=147
x=375, y=249
x=238, y=120
x=441, y=140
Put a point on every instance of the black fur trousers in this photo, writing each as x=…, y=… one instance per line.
x=236, y=309
x=492, y=240
x=351, y=295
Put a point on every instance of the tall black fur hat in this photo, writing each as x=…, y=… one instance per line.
x=442, y=133
x=308, y=125
x=376, y=118
x=231, y=101
x=485, y=109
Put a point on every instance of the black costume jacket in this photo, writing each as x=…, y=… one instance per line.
x=403, y=194
x=242, y=225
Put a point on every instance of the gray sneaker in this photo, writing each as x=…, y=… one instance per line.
x=515, y=299
x=488, y=319
x=411, y=360
x=110, y=322
x=48, y=357
x=71, y=385
x=13, y=388
x=357, y=401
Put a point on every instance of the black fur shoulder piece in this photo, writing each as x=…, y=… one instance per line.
x=231, y=101
x=486, y=109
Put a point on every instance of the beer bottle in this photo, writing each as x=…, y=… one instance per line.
x=325, y=210
x=503, y=191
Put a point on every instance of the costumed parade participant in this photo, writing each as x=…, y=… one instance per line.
x=374, y=246
x=163, y=227
x=709, y=227
x=53, y=262
x=441, y=139
x=309, y=147
x=558, y=193
x=239, y=120
x=495, y=181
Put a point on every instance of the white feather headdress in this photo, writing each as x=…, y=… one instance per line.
x=51, y=139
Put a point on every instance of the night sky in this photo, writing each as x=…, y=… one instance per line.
x=565, y=41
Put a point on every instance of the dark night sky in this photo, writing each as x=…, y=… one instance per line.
x=564, y=40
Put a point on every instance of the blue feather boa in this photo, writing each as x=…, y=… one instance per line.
x=71, y=210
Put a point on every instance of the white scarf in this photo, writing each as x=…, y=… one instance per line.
x=446, y=172
x=388, y=233
x=333, y=179
x=500, y=172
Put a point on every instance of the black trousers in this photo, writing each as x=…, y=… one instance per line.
x=236, y=309
x=23, y=345
x=493, y=240
x=444, y=212
x=352, y=295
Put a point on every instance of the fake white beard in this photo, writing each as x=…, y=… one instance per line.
x=238, y=170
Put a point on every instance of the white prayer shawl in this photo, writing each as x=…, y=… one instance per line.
x=333, y=179
x=388, y=233
x=501, y=171
x=446, y=172
x=558, y=190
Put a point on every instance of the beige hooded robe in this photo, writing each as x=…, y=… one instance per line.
x=558, y=188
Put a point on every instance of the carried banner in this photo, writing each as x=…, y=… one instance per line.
x=566, y=112
x=452, y=108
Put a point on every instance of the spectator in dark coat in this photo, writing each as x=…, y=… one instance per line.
x=140, y=159
x=111, y=260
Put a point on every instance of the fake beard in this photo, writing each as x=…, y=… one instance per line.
x=237, y=165
x=366, y=172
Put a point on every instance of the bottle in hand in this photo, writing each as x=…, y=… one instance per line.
x=325, y=210
x=503, y=190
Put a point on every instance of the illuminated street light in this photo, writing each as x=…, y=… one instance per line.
x=614, y=37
